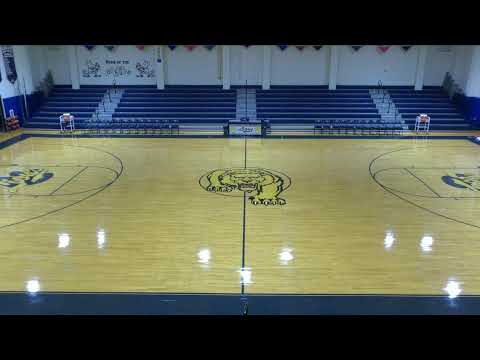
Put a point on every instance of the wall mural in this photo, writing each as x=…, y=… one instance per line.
x=92, y=69
x=120, y=69
x=144, y=69
x=117, y=68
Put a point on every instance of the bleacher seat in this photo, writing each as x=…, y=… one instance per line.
x=432, y=101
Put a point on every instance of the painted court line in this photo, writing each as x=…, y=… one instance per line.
x=73, y=177
x=423, y=182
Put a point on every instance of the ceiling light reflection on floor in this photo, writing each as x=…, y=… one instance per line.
x=389, y=240
x=63, y=240
x=285, y=256
x=101, y=239
x=426, y=243
x=33, y=286
x=452, y=289
x=245, y=276
x=204, y=256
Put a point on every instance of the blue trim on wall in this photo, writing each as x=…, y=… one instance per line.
x=469, y=107
x=34, y=101
x=17, y=104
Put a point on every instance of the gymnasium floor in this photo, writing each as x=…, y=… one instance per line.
x=207, y=225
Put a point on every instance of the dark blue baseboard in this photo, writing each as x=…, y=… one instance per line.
x=21, y=303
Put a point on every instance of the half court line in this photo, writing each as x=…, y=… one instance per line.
x=244, y=220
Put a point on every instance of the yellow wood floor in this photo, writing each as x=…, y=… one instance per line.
x=134, y=215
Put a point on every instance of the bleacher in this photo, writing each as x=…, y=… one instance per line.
x=432, y=100
x=63, y=99
x=189, y=105
x=348, y=109
x=328, y=111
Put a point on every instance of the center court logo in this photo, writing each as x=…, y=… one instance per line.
x=24, y=177
x=262, y=186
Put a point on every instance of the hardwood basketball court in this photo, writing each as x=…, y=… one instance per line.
x=237, y=216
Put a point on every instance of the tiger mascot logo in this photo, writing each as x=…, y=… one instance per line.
x=24, y=177
x=261, y=185
x=463, y=181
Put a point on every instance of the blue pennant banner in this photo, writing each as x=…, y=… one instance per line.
x=89, y=47
x=283, y=47
x=172, y=47
x=9, y=61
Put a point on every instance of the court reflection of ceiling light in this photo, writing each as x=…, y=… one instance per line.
x=33, y=286
x=204, y=256
x=63, y=240
x=389, y=240
x=245, y=276
x=453, y=289
x=285, y=256
x=101, y=239
x=426, y=243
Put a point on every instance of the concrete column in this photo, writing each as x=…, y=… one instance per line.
x=472, y=87
x=333, y=67
x=420, y=72
x=267, y=67
x=73, y=66
x=159, y=70
x=244, y=64
x=226, y=67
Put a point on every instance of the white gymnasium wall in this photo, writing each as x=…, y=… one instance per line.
x=439, y=61
x=366, y=66
x=57, y=63
x=294, y=67
x=129, y=65
x=7, y=89
x=38, y=63
x=27, y=76
x=291, y=66
x=197, y=67
x=246, y=64
x=461, y=65
x=24, y=69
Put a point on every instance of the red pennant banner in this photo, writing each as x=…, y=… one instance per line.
x=140, y=47
x=382, y=49
x=190, y=47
